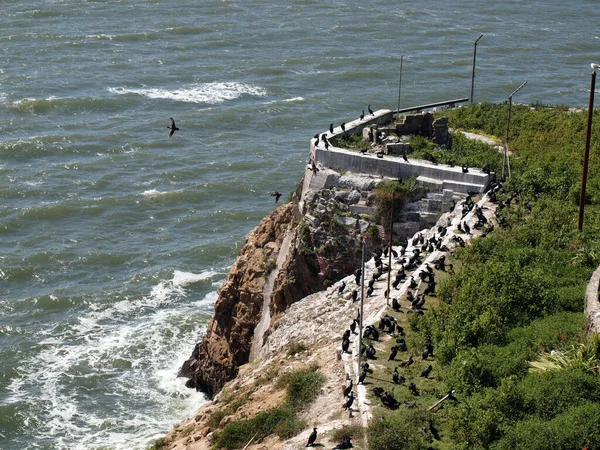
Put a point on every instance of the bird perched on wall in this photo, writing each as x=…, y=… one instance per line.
x=348, y=403
x=362, y=115
x=343, y=127
x=276, y=195
x=465, y=169
x=404, y=157
x=354, y=295
x=342, y=287
x=370, y=110
x=331, y=128
x=347, y=389
x=173, y=127
x=312, y=438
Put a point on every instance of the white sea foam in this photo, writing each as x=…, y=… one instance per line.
x=210, y=93
x=154, y=193
x=135, y=351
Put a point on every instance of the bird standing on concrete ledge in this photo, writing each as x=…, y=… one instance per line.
x=370, y=110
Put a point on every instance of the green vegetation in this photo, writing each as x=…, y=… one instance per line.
x=400, y=191
x=352, y=142
x=158, y=444
x=508, y=328
x=302, y=387
x=464, y=152
x=297, y=347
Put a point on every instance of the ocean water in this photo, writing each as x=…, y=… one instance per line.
x=115, y=238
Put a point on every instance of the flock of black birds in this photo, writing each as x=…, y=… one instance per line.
x=388, y=324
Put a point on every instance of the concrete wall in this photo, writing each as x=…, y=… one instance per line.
x=440, y=175
x=396, y=167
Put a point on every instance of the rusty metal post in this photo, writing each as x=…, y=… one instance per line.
x=586, y=152
x=473, y=72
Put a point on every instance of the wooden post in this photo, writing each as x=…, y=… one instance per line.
x=586, y=152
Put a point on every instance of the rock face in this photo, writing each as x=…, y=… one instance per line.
x=228, y=340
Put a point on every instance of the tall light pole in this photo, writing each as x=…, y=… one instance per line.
x=586, y=152
x=473, y=73
x=505, y=161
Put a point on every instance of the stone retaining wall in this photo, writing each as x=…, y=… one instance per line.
x=592, y=305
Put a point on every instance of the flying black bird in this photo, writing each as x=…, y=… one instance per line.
x=312, y=438
x=173, y=127
x=276, y=195
x=370, y=110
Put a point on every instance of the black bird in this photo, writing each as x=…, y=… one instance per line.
x=326, y=143
x=425, y=373
x=363, y=151
x=348, y=389
x=369, y=291
x=343, y=127
x=348, y=403
x=353, y=326
x=425, y=353
x=465, y=169
x=404, y=157
x=467, y=228
x=354, y=295
x=276, y=195
x=412, y=387
x=413, y=283
x=408, y=362
x=345, y=346
x=362, y=376
x=345, y=444
x=312, y=438
x=370, y=110
x=397, y=378
x=342, y=287
x=331, y=128
x=393, y=353
x=362, y=115
x=316, y=139
x=395, y=305
x=173, y=127
x=486, y=169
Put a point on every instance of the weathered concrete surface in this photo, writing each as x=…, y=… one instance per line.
x=592, y=306
x=395, y=167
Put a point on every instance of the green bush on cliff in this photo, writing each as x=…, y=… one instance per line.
x=302, y=387
x=397, y=190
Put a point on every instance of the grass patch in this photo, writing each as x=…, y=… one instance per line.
x=297, y=347
x=302, y=388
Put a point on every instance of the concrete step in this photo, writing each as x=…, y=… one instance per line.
x=431, y=183
x=457, y=186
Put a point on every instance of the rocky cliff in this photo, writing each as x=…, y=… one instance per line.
x=228, y=340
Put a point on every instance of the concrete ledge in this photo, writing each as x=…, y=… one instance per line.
x=395, y=167
x=592, y=306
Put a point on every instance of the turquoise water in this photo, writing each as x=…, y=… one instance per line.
x=115, y=238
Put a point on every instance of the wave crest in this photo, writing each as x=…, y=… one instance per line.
x=209, y=93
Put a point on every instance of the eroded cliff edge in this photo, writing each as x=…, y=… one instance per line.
x=229, y=336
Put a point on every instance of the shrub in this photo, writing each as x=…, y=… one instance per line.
x=401, y=430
